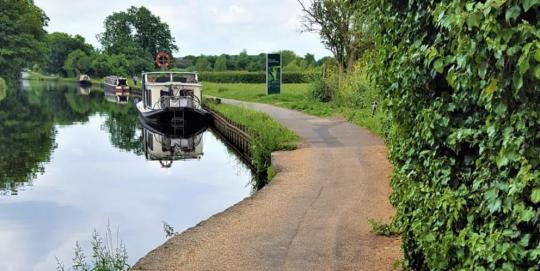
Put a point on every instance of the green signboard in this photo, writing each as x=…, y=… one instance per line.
x=273, y=74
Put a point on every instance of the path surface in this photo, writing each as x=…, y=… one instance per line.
x=312, y=216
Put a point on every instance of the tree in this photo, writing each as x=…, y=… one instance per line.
x=287, y=56
x=243, y=60
x=342, y=28
x=202, y=64
x=221, y=63
x=292, y=67
x=59, y=45
x=21, y=36
x=77, y=62
x=136, y=29
x=310, y=59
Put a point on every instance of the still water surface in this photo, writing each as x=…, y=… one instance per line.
x=72, y=162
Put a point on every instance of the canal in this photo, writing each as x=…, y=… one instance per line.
x=73, y=161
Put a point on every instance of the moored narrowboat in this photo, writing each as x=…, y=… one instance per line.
x=84, y=79
x=171, y=97
x=116, y=88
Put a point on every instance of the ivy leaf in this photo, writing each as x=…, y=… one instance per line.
x=482, y=69
x=536, y=71
x=535, y=195
x=537, y=55
x=526, y=215
x=494, y=205
x=439, y=65
x=512, y=13
x=517, y=81
x=474, y=19
x=525, y=240
x=490, y=89
x=523, y=64
x=527, y=4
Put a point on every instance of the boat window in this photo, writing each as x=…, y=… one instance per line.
x=163, y=78
x=185, y=78
x=122, y=82
x=158, y=78
x=179, y=78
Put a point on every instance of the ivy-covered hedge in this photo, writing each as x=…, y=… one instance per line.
x=255, y=77
x=462, y=83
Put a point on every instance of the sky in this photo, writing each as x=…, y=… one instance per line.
x=209, y=27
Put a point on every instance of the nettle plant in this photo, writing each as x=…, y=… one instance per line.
x=462, y=87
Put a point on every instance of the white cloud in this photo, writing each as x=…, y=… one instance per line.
x=234, y=14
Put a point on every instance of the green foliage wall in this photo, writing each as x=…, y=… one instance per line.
x=463, y=90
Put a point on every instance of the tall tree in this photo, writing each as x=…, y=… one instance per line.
x=221, y=63
x=287, y=56
x=59, y=45
x=136, y=28
x=77, y=62
x=243, y=60
x=21, y=36
x=342, y=28
x=202, y=64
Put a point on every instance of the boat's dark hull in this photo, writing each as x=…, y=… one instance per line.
x=85, y=82
x=175, y=115
x=188, y=130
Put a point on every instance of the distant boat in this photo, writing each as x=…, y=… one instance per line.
x=84, y=79
x=171, y=97
x=116, y=89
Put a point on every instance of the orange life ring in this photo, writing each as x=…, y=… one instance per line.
x=163, y=60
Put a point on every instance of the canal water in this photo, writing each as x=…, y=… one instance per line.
x=73, y=161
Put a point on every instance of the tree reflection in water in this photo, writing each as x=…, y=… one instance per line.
x=28, y=119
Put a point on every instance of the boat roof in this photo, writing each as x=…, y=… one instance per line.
x=162, y=72
x=115, y=77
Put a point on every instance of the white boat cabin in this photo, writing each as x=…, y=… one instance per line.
x=162, y=90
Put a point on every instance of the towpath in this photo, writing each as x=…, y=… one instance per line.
x=312, y=216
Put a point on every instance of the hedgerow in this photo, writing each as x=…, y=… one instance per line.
x=461, y=80
x=255, y=77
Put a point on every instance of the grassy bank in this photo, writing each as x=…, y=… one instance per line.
x=41, y=77
x=267, y=134
x=298, y=97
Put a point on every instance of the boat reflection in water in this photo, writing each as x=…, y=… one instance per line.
x=84, y=90
x=114, y=98
x=167, y=143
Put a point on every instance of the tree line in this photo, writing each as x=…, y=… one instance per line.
x=130, y=41
x=291, y=62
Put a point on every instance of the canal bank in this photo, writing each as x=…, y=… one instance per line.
x=313, y=215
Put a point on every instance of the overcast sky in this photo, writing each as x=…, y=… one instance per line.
x=199, y=26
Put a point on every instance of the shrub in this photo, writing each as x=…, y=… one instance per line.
x=462, y=83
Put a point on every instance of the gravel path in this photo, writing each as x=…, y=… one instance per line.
x=312, y=216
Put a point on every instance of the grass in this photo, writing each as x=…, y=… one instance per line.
x=108, y=254
x=267, y=134
x=297, y=97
